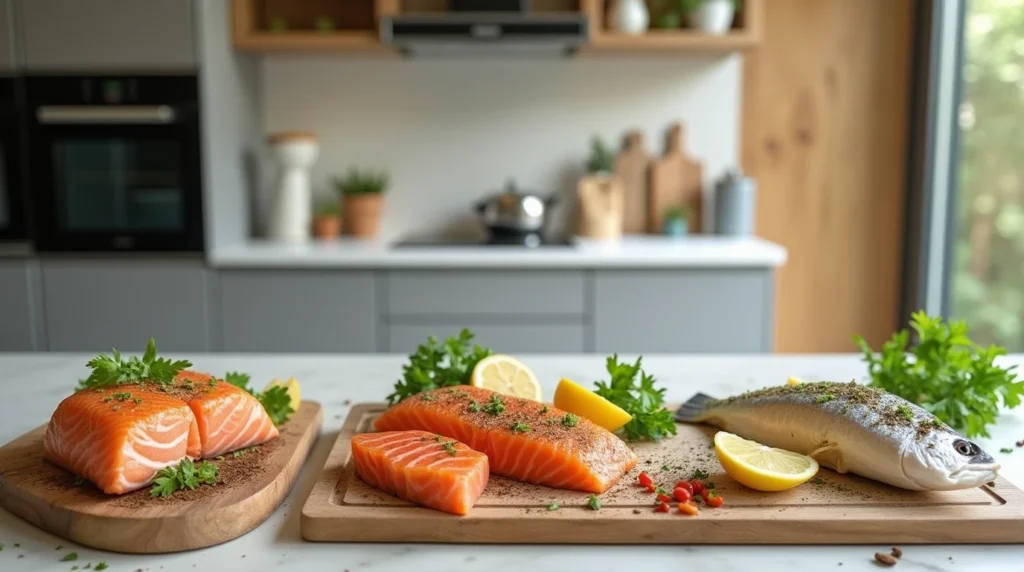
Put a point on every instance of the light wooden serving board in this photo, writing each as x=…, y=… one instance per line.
x=675, y=182
x=836, y=509
x=46, y=496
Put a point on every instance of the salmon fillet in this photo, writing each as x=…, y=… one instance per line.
x=229, y=417
x=523, y=439
x=423, y=468
x=119, y=438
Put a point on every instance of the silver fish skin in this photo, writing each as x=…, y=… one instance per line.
x=853, y=428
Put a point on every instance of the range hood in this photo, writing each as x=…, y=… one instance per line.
x=486, y=34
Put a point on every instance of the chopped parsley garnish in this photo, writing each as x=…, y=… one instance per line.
x=116, y=370
x=474, y=407
x=187, y=475
x=435, y=364
x=101, y=565
x=245, y=451
x=633, y=390
x=494, y=405
x=1006, y=450
x=699, y=474
x=212, y=382
x=543, y=410
x=519, y=427
x=116, y=408
x=79, y=481
x=427, y=397
x=554, y=506
x=449, y=447
x=70, y=557
x=238, y=379
x=570, y=420
x=137, y=400
x=219, y=457
x=905, y=411
x=122, y=396
x=594, y=503
x=666, y=468
x=550, y=421
x=825, y=397
x=438, y=438
x=660, y=491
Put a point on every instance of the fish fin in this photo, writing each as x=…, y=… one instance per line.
x=693, y=410
x=828, y=455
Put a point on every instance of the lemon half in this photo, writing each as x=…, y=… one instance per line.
x=292, y=386
x=506, y=375
x=761, y=467
x=574, y=398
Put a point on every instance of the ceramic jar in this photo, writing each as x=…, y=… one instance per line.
x=291, y=210
x=630, y=17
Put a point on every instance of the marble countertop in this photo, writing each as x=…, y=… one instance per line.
x=629, y=252
x=34, y=383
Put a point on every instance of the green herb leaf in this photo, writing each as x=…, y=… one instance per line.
x=945, y=373
x=494, y=406
x=278, y=404
x=449, y=447
x=434, y=365
x=1006, y=450
x=554, y=506
x=699, y=474
x=114, y=370
x=651, y=421
x=70, y=557
x=186, y=475
x=101, y=565
x=570, y=419
x=238, y=379
x=519, y=427
x=666, y=468
x=245, y=451
x=594, y=503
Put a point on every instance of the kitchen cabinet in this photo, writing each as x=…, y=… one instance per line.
x=298, y=311
x=21, y=307
x=510, y=338
x=683, y=311
x=8, y=58
x=93, y=305
x=138, y=35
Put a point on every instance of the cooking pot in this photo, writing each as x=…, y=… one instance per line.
x=513, y=210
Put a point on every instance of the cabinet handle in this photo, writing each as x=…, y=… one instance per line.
x=135, y=114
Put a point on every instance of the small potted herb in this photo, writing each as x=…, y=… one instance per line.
x=327, y=220
x=710, y=16
x=362, y=195
x=601, y=160
x=676, y=221
x=668, y=15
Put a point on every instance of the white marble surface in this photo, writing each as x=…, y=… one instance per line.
x=33, y=384
x=629, y=252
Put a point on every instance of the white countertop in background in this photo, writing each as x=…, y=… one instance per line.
x=630, y=252
x=34, y=384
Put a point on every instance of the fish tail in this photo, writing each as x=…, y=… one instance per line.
x=693, y=409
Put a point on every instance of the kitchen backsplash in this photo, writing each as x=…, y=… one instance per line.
x=451, y=132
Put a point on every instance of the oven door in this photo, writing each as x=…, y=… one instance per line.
x=12, y=208
x=116, y=177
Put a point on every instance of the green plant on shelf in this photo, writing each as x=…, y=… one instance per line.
x=677, y=213
x=691, y=5
x=327, y=209
x=357, y=182
x=324, y=24
x=601, y=159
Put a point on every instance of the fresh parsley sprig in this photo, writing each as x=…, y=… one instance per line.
x=117, y=370
x=651, y=421
x=275, y=400
x=434, y=365
x=945, y=373
x=187, y=475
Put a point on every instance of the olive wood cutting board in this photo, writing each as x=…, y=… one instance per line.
x=46, y=496
x=632, y=166
x=676, y=181
x=831, y=509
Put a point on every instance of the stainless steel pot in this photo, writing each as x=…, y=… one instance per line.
x=512, y=210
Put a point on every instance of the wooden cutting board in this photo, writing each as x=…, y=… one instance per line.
x=46, y=496
x=676, y=180
x=833, y=509
x=632, y=166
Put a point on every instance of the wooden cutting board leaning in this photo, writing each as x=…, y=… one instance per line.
x=47, y=496
x=830, y=509
x=676, y=181
x=632, y=166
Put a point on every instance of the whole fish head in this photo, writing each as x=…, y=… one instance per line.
x=944, y=461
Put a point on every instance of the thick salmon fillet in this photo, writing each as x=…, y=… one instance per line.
x=523, y=439
x=420, y=467
x=119, y=438
x=229, y=417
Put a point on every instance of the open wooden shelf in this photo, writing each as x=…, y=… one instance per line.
x=266, y=26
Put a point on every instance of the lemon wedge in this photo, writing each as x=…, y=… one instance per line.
x=574, y=398
x=761, y=467
x=292, y=387
x=794, y=381
x=506, y=375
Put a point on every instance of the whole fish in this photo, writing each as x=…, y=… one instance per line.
x=849, y=427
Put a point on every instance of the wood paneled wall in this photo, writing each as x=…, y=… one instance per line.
x=825, y=127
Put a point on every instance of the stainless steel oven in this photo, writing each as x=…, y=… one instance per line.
x=115, y=163
x=12, y=158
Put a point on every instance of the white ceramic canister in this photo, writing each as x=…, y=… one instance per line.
x=630, y=17
x=713, y=16
x=291, y=209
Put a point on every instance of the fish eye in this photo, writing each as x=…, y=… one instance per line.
x=965, y=448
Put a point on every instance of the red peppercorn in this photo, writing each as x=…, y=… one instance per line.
x=685, y=485
x=681, y=494
x=645, y=480
x=698, y=486
x=664, y=498
x=663, y=507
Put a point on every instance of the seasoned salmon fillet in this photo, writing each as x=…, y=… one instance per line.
x=229, y=417
x=422, y=467
x=119, y=438
x=523, y=439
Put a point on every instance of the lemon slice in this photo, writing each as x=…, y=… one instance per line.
x=507, y=375
x=761, y=467
x=292, y=386
x=574, y=398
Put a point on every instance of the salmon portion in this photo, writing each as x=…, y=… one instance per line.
x=423, y=468
x=119, y=438
x=523, y=439
x=229, y=417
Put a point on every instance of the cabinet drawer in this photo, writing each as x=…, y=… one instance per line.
x=500, y=292
x=506, y=338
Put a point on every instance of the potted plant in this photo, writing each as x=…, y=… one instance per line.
x=601, y=161
x=711, y=16
x=327, y=220
x=600, y=195
x=362, y=195
x=668, y=15
x=676, y=221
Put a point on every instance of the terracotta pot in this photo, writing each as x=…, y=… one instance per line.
x=327, y=227
x=362, y=214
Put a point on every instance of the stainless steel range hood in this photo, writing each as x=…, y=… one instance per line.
x=486, y=34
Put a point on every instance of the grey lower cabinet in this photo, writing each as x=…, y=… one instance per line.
x=503, y=338
x=21, y=306
x=94, y=305
x=688, y=310
x=8, y=58
x=137, y=35
x=298, y=311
